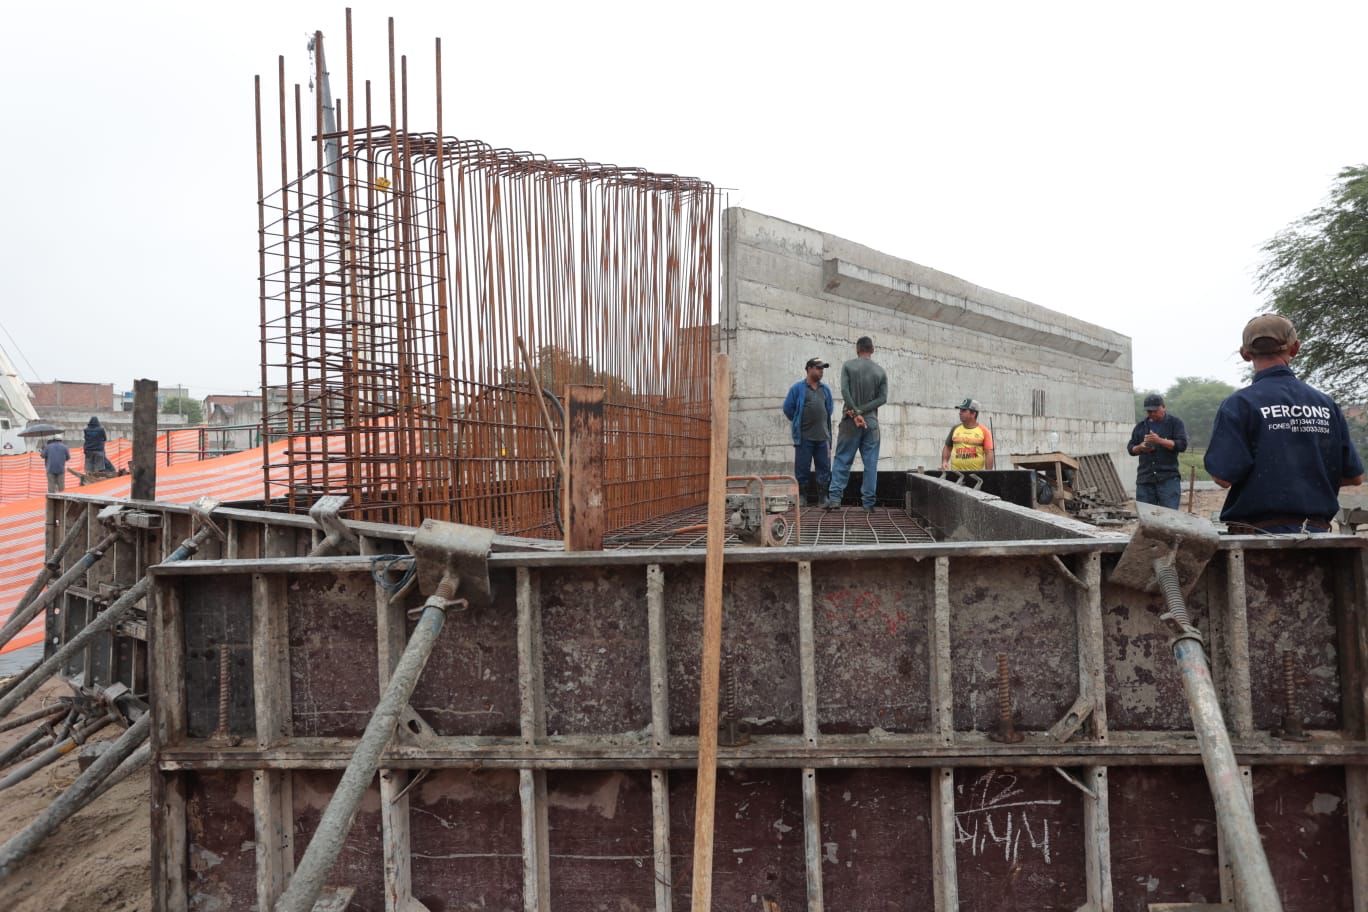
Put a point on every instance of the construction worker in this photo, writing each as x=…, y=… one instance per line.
x=809, y=407
x=1157, y=440
x=55, y=456
x=95, y=437
x=864, y=387
x=1280, y=446
x=969, y=445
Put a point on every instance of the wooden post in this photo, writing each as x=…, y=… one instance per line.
x=584, y=513
x=1192, y=489
x=946, y=879
x=144, y=440
x=711, y=665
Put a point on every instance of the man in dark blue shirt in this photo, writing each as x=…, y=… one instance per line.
x=808, y=407
x=1157, y=441
x=1281, y=447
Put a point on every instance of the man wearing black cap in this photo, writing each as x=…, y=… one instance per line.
x=1158, y=440
x=1281, y=447
x=808, y=407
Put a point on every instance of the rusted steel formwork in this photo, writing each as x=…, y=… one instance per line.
x=553, y=730
x=398, y=269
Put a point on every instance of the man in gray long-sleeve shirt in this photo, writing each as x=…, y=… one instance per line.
x=864, y=387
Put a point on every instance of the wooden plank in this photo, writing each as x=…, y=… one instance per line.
x=812, y=841
x=585, y=513
x=170, y=852
x=1097, y=835
x=1236, y=631
x=807, y=653
x=272, y=793
x=536, y=840
x=711, y=657
x=394, y=839
x=942, y=697
x=166, y=657
x=1356, y=794
x=1092, y=680
x=943, y=872
x=1351, y=596
x=144, y=463
x=273, y=818
x=657, y=647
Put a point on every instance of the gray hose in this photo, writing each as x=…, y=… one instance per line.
x=337, y=820
x=87, y=786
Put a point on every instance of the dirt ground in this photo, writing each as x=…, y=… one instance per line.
x=98, y=861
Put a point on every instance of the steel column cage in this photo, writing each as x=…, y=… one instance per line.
x=398, y=267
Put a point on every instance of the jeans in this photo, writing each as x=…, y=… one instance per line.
x=848, y=441
x=1166, y=492
x=804, y=455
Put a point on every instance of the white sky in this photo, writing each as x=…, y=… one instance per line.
x=1122, y=165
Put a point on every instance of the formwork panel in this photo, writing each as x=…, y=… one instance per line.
x=876, y=840
x=887, y=608
x=1024, y=609
x=465, y=839
x=758, y=846
x=220, y=839
x=1144, y=691
x=1291, y=606
x=601, y=840
x=470, y=683
x=360, y=864
x=594, y=643
x=1303, y=820
x=218, y=616
x=759, y=641
x=333, y=653
x=1018, y=841
x=1163, y=837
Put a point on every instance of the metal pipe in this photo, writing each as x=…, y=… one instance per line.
x=85, y=789
x=333, y=827
x=104, y=621
x=46, y=712
x=56, y=751
x=17, y=749
x=50, y=567
x=23, y=614
x=1253, y=879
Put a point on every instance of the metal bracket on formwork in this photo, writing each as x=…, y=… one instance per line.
x=1185, y=541
x=1072, y=720
x=453, y=551
x=202, y=517
x=338, y=539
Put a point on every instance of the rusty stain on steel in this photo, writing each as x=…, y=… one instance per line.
x=392, y=293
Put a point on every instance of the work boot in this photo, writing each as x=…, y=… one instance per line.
x=867, y=509
x=831, y=505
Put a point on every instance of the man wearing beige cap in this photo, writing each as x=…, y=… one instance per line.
x=1281, y=447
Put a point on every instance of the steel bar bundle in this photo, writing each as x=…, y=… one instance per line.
x=397, y=269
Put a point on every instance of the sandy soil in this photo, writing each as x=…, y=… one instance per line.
x=98, y=860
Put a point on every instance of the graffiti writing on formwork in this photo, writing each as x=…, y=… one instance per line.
x=998, y=817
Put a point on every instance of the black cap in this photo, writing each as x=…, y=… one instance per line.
x=815, y=362
x=1153, y=401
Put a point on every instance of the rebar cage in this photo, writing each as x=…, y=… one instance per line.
x=398, y=269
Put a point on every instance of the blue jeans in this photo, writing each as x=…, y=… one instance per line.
x=804, y=455
x=848, y=441
x=1166, y=492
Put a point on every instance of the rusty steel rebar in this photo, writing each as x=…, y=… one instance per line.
x=394, y=283
x=1006, y=728
x=1292, y=728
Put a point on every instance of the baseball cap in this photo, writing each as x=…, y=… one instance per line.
x=970, y=404
x=1153, y=401
x=815, y=362
x=1268, y=334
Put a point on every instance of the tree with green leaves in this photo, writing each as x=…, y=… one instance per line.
x=183, y=405
x=1315, y=273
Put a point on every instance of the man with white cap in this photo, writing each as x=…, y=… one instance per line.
x=1280, y=446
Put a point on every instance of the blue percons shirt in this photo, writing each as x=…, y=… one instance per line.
x=1284, y=447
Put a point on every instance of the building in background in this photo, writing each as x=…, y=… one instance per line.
x=1047, y=381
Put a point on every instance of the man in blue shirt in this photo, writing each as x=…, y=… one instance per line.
x=1157, y=441
x=55, y=456
x=808, y=407
x=1280, y=446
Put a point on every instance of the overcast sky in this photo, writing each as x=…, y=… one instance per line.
x=1120, y=164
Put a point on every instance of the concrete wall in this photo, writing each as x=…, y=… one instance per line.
x=792, y=293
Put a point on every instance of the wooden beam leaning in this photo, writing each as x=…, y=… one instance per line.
x=946, y=880
x=657, y=646
x=1092, y=680
x=807, y=665
x=536, y=842
x=272, y=795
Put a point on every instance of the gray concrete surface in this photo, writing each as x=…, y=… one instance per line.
x=792, y=293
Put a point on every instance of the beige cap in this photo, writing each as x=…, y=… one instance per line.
x=1268, y=334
